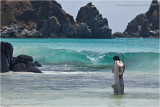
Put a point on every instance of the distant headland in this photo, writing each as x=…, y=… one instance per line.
x=47, y=19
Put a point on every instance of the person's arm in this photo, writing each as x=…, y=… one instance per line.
x=124, y=67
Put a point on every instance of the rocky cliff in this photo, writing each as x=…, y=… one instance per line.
x=91, y=16
x=146, y=24
x=47, y=19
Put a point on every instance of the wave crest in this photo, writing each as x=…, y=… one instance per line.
x=90, y=58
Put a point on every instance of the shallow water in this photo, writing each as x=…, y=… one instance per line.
x=70, y=89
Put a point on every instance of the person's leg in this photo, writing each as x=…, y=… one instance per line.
x=115, y=90
x=121, y=88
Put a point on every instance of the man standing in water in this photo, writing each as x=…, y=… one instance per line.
x=118, y=70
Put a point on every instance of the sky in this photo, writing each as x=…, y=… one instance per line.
x=119, y=13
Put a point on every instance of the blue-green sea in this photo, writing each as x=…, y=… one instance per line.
x=77, y=73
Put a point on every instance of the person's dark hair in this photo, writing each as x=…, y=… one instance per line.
x=116, y=58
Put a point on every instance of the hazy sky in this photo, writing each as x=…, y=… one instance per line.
x=119, y=13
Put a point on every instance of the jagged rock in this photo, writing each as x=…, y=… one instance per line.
x=33, y=69
x=18, y=31
x=4, y=66
x=143, y=24
x=153, y=15
x=91, y=16
x=20, y=63
x=48, y=20
x=77, y=30
x=6, y=56
x=118, y=35
x=20, y=67
x=89, y=4
x=155, y=33
x=51, y=26
x=7, y=50
x=30, y=63
x=144, y=32
x=23, y=63
x=37, y=64
x=13, y=62
x=34, y=34
x=46, y=9
x=33, y=14
x=82, y=30
x=68, y=30
x=25, y=58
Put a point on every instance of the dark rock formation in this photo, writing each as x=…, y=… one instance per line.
x=91, y=16
x=17, y=31
x=37, y=64
x=20, y=63
x=33, y=69
x=118, y=34
x=4, y=64
x=47, y=19
x=54, y=26
x=154, y=33
x=6, y=56
x=51, y=27
x=145, y=24
x=13, y=62
x=24, y=63
x=82, y=30
x=46, y=9
x=20, y=67
x=77, y=30
x=24, y=58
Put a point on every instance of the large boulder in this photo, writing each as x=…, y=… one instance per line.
x=7, y=50
x=20, y=67
x=4, y=66
x=36, y=63
x=12, y=63
x=6, y=56
x=90, y=15
x=25, y=67
x=33, y=69
x=25, y=58
x=24, y=63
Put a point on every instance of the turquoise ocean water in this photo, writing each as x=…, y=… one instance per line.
x=77, y=73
